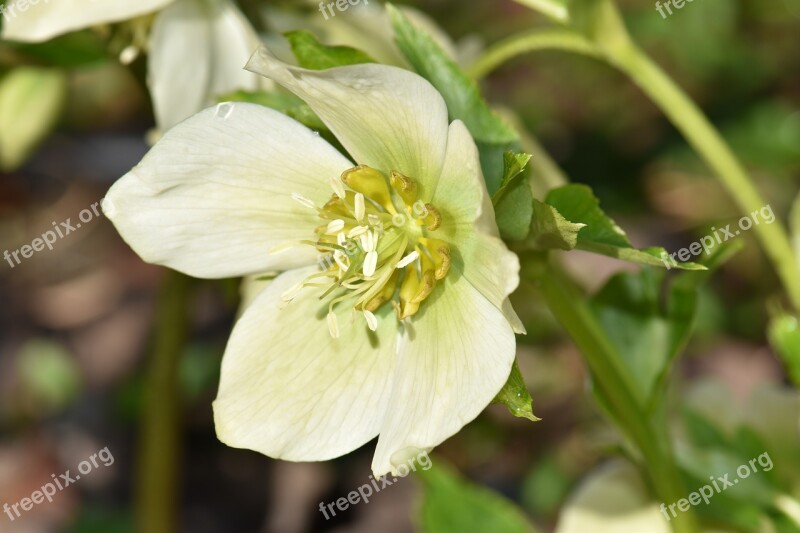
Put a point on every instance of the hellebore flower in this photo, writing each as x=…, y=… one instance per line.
x=390, y=317
x=196, y=47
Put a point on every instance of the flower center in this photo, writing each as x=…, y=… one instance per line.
x=376, y=246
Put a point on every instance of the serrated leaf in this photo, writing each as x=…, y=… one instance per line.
x=513, y=200
x=314, y=55
x=550, y=230
x=516, y=397
x=453, y=504
x=459, y=91
x=513, y=166
x=31, y=100
x=464, y=101
x=578, y=204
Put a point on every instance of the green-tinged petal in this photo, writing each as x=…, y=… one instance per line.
x=34, y=21
x=612, y=500
x=213, y=198
x=468, y=223
x=453, y=359
x=291, y=391
x=197, y=49
x=385, y=117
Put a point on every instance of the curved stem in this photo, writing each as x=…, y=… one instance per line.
x=705, y=139
x=647, y=434
x=547, y=39
x=159, y=444
x=682, y=112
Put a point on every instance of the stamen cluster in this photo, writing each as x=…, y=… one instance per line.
x=377, y=246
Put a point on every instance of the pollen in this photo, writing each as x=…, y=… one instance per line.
x=379, y=245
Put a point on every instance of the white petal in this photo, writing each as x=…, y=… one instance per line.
x=469, y=224
x=450, y=366
x=386, y=117
x=213, y=196
x=613, y=499
x=290, y=391
x=197, y=53
x=43, y=20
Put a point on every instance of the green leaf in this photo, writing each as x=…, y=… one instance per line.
x=513, y=167
x=464, y=101
x=784, y=335
x=513, y=200
x=550, y=230
x=31, y=100
x=516, y=397
x=707, y=448
x=454, y=504
x=74, y=49
x=649, y=318
x=314, y=55
x=459, y=91
x=646, y=334
x=578, y=204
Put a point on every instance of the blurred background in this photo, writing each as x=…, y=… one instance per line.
x=77, y=322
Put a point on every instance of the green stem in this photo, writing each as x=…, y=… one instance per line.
x=705, y=139
x=159, y=444
x=613, y=45
x=532, y=41
x=610, y=377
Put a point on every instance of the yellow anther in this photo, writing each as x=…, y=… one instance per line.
x=371, y=183
x=414, y=288
x=433, y=219
x=385, y=295
x=440, y=252
x=404, y=186
x=338, y=207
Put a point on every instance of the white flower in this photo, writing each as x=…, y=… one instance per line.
x=319, y=363
x=196, y=47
